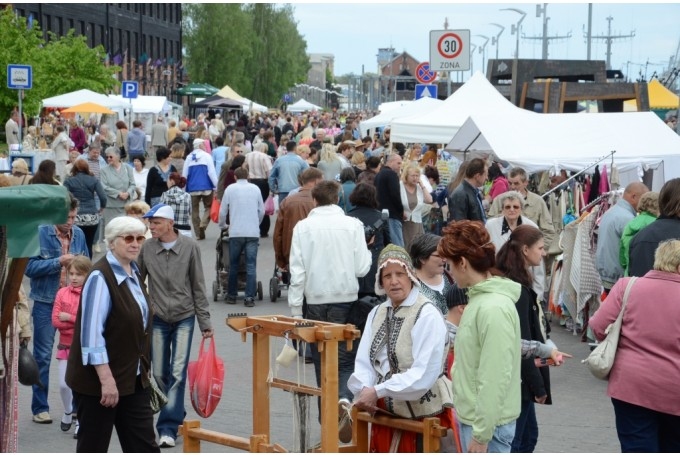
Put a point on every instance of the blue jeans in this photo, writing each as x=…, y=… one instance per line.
x=237, y=245
x=396, y=232
x=43, y=342
x=337, y=313
x=170, y=352
x=501, y=441
x=282, y=196
x=526, y=429
x=642, y=429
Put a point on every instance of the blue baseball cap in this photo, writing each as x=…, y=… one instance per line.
x=160, y=211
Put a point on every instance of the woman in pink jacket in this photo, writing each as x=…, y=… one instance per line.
x=63, y=319
x=643, y=383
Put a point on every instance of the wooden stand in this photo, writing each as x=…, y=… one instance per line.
x=326, y=336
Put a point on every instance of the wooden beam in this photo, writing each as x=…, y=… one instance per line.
x=290, y=386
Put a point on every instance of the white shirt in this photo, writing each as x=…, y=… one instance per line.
x=140, y=181
x=429, y=338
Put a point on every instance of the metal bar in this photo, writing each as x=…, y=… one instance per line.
x=581, y=171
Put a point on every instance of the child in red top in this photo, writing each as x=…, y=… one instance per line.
x=63, y=319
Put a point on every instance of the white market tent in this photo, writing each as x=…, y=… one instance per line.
x=572, y=141
x=254, y=106
x=406, y=109
x=145, y=104
x=439, y=125
x=303, y=105
x=84, y=96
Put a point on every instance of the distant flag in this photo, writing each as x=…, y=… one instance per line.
x=117, y=59
x=125, y=55
x=171, y=61
x=143, y=58
x=29, y=21
x=158, y=62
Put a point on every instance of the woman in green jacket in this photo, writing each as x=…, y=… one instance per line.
x=486, y=372
x=648, y=211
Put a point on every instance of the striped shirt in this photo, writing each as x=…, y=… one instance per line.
x=259, y=165
x=96, y=306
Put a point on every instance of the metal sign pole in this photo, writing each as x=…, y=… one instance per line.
x=21, y=118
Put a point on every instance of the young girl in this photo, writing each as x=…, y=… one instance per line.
x=63, y=319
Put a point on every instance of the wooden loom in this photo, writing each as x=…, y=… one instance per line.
x=327, y=336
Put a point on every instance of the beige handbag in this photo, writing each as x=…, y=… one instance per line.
x=601, y=360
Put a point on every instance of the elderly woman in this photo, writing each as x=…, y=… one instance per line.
x=108, y=367
x=20, y=174
x=87, y=189
x=434, y=280
x=30, y=141
x=486, y=374
x=648, y=212
x=643, y=383
x=414, y=198
x=398, y=366
x=118, y=183
x=501, y=227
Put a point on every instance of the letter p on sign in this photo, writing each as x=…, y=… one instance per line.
x=130, y=89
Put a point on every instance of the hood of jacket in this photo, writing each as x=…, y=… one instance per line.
x=496, y=285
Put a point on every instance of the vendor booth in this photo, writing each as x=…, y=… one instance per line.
x=303, y=105
x=406, y=109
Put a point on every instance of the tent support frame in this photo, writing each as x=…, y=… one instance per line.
x=599, y=160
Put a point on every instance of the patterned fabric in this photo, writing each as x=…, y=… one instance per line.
x=566, y=292
x=396, y=255
x=584, y=275
x=436, y=297
x=180, y=201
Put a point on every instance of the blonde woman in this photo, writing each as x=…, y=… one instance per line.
x=329, y=163
x=358, y=162
x=414, y=198
x=137, y=209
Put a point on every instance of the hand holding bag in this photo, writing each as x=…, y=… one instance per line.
x=206, y=379
x=215, y=210
x=601, y=360
x=269, y=207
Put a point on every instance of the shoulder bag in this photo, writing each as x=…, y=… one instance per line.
x=601, y=360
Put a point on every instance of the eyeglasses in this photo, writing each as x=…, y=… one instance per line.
x=511, y=207
x=109, y=157
x=131, y=238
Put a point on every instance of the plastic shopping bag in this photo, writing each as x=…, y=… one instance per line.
x=215, y=210
x=269, y=207
x=206, y=378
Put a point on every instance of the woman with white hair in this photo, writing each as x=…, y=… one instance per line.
x=108, y=367
x=118, y=182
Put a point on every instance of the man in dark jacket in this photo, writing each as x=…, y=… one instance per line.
x=465, y=202
x=666, y=227
x=389, y=196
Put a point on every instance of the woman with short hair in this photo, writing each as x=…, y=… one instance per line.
x=433, y=278
x=414, y=198
x=157, y=178
x=180, y=201
x=643, y=383
x=87, y=189
x=118, y=183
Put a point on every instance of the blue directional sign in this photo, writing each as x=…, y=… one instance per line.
x=20, y=77
x=426, y=91
x=130, y=89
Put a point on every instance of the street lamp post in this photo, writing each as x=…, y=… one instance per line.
x=514, y=30
x=482, y=50
x=495, y=39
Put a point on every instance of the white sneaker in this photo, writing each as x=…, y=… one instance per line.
x=166, y=441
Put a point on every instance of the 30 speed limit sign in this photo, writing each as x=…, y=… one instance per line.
x=450, y=50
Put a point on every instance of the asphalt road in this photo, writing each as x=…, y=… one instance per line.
x=580, y=420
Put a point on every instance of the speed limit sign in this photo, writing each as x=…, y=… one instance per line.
x=450, y=50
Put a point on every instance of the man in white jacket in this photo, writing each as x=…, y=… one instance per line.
x=328, y=253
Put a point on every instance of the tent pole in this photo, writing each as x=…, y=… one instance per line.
x=470, y=145
x=582, y=171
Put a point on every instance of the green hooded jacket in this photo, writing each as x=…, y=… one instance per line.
x=634, y=226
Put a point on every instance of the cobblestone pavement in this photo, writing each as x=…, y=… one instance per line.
x=580, y=420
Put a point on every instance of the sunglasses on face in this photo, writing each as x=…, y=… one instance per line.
x=513, y=207
x=131, y=238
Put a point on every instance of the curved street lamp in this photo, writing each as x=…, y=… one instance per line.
x=495, y=39
x=514, y=30
x=482, y=50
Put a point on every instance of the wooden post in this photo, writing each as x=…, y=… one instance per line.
x=430, y=442
x=359, y=431
x=329, y=396
x=260, y=385
x=191, y=445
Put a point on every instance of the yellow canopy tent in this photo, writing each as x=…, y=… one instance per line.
x=660, y=98
x=228, y=92
x=89, y=108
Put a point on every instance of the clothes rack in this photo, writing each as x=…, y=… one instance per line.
x=582, y=171
x=601, y=198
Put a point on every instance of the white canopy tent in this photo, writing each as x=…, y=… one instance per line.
x=538, y=142
x=145, y=104
x=439, y=125
x=84, y=96
x=303, y=105
x=254, y=106
x=407, y=109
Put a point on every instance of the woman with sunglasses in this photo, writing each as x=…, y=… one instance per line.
x=118, y=182
x=111, y=385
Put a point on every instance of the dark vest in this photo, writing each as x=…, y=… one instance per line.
x=127, y=342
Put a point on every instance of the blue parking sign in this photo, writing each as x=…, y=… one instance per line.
x=130, y=89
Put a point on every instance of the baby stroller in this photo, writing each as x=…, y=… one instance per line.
x=221, y=284
x=280, y=280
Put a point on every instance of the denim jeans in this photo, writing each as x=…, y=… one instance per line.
x=43, y=342
x=170, y=351
x=396, y=232
x=237, y=245
x=337, y=313
x=501, y=441
x=282, y=196
x=526, y=429
x=642, y=429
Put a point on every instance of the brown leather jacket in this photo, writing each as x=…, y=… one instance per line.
x=293, y=209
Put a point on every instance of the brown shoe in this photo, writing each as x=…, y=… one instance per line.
x=201, y=233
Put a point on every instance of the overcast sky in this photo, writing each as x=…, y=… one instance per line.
x=353, y=32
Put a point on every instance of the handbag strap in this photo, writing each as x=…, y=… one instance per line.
x=629, y=286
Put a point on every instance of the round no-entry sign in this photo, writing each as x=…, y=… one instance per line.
x=424, y=75
x=450, y=45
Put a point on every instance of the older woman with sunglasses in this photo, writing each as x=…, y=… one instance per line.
x=108, y=367
x=118, y=182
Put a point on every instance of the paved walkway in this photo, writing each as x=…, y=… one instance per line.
x=580, y=420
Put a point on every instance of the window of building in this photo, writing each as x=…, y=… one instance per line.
x=71, y=24
x=165, y=12
x=60, y=26
x=81, y=28
x=46, y=24
x=92, y=35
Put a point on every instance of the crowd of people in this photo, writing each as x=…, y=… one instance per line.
x=454, y=256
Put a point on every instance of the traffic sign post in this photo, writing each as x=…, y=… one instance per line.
x=424, y=75
x=450, y=50
x=426, y=91
x=130, y=89
x=20, y=77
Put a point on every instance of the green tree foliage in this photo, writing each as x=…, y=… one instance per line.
x=255, y=48
x=63, y=65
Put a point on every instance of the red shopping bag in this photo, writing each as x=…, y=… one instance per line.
x=215, y=210
x=206, y=378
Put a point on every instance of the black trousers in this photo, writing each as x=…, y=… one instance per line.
x=132, y=418
x=90, y=232
x=263, y=185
